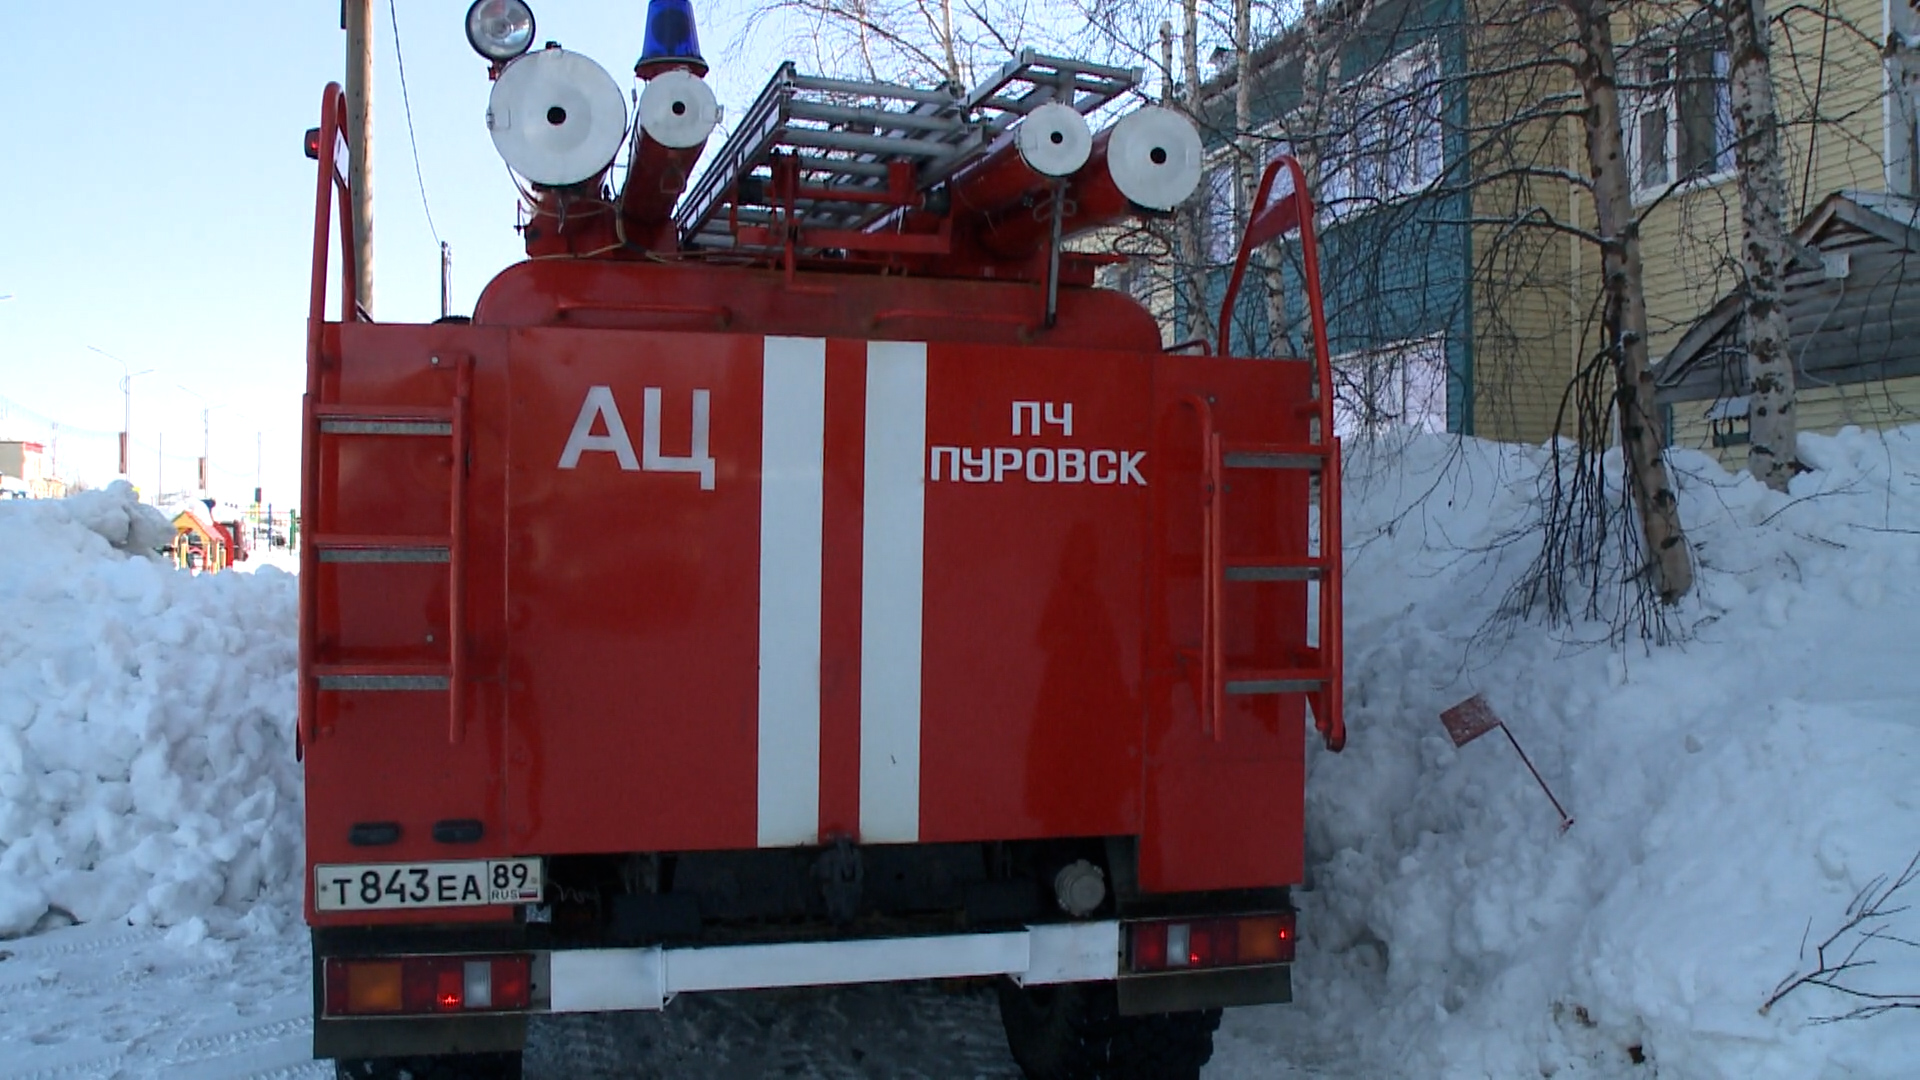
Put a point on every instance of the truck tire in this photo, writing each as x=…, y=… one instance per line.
x=504, y=1066
x=1076, y=1032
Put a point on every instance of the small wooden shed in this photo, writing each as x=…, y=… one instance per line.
x=1853, y=310
x=200, y=543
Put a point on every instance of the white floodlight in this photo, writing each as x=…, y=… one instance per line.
x=500, y=30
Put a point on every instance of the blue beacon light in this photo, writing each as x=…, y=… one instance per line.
x=671, y=41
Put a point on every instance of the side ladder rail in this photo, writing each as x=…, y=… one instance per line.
x=320, y=419
x=1271, y=220
x=331, y=179
x=1212, y=658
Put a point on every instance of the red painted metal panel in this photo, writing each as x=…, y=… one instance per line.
x=633, y=599
x=693, y=297
x=1034, y=586
x=842, y=499
x=384, y=756
x=1224, y=812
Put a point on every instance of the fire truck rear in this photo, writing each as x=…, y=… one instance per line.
x=808, y=577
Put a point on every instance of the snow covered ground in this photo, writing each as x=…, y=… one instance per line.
x=1734, y=793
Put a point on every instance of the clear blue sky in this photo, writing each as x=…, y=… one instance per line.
x=163, y=210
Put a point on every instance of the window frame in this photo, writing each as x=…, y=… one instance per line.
x=1372, y=95
x=1637, y=99
x=1395, y=390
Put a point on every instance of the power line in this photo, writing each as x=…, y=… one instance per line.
x=406, y=103
x=8, y=407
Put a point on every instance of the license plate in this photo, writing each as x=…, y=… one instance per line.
x=389, y=886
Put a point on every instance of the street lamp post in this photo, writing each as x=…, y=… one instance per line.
x=206, y=437
x=126, y=426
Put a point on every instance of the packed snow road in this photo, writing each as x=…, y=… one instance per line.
x=123, y=1002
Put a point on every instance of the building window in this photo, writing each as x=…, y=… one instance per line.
x=1400, y=385
x=1729, y=422
x=1386, y=141
x=1677, y=108
x=1224, y=213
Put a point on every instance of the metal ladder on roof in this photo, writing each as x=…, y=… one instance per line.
x=833, y=155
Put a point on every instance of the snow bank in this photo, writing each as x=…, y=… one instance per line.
x=146, y=725
x=1731, y=792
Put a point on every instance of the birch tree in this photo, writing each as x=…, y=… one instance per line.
x=1772, y=457
x=1624, y=321
x=1192, y=275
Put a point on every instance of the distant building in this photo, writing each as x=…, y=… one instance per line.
x=26, y=469
x=1852, y=282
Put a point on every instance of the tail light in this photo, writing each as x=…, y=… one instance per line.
x=1239, y=941
x=423, y=985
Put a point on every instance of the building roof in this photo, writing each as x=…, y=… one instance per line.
x=1852, y=300
x=202, y=518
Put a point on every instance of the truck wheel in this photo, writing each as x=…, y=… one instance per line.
x=1076, y=1032
x=505, y=1066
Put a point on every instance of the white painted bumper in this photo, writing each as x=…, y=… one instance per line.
x=606, y=980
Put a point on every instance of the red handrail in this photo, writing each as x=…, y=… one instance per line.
x=1213, y=666
x=1269, y=222
x=456, y=556
x=333, y=124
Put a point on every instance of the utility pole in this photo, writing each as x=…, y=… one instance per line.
x=259, y=456
x=446, y=280
x=206, y=446
x=126, y=423
x=358, y=23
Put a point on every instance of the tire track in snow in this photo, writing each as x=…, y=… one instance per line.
x=230, y=1043
x=34, y=948
x=34, y=983
x=73, y=1070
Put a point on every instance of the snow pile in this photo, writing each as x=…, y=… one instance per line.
x=146, y=726
x=1733, y=794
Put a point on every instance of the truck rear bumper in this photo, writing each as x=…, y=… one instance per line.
x=604, y=980
x=649, y=978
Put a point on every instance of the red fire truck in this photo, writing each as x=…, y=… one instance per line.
x=806, y=576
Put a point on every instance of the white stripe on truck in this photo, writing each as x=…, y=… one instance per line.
x=892, y=554
x=792, y=456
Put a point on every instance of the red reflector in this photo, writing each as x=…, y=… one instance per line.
x=513, y=982
x=1200, y=945
x=450, y=985
x=313, y=143
x=1214, y=943
x=1149, y=946
x=421, y=985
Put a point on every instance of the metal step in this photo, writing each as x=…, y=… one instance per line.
x=382, y=549
x=381, y=677
x=1281, y=681
x=1275, y=570
x=1276, y=456
x=384, y=419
